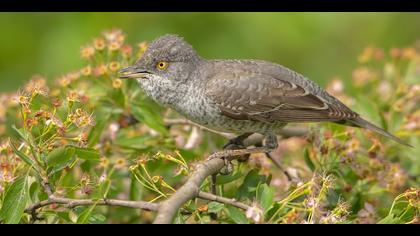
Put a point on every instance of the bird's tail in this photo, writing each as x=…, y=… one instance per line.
x=360, y=122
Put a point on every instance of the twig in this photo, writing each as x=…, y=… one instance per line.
x=191, y=188
x=71, y=203
x=228, y=201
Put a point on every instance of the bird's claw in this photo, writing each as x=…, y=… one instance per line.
x=228, y=168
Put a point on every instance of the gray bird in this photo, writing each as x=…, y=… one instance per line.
x=237, y=96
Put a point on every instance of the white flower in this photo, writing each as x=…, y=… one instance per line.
x=102, y=178
x=254, y=213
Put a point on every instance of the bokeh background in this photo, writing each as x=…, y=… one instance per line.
x=319, y=45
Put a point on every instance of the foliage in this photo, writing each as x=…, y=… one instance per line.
x=93, y=136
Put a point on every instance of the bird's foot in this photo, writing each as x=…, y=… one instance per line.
x=234, y=144
x=237, y=141
x=270, y=142
x=228, y=168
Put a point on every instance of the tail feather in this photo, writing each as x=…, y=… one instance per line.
x=360, y=122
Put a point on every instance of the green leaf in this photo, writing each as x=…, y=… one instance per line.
x=146, y=114
x=59, y=158
x=390, y=219
x=137, y=143
x=249, y=186
x=87, y=153
x=85, y=215
x=237, y=215
x=72, y=216
x=265, y=197
x=135, y=189
x=118, y=97
x=22, y=155
x=15, y=201
x=96, y=131
x=308, y=160
x=224, y=179
x=21, y=133
x=215, y=207
x=97, y=219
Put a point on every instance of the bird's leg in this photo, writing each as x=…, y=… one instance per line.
x=279, y=165
x=235, y=143
x=271, y=143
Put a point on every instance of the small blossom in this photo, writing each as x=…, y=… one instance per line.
x=23, y=100
x=99, y=44
x=37, y=85
x=114, y=66
x=30, y=123
x=142, y=48
x=254, y=213
x=362, y=75
x=100, y=70
x=114, y=45
x=395, y=53
x=87, y=52
x=73, y=96
x=64, y=81
x=113, y=35
x=336, y=86
x=366, y=55
x=409, y=53
x=203, y=208
x=120, y=163
x=378, y=54
x=56, y=103
x=82, y=139
x=116, y=83
x=74, y=75
x=102, y=178
x=113, y=130
x=5, y=145
x=86, y=71
x=126, y=50
x=82, y=118
x=310, y=202
x=103, y=162
x=367, y=215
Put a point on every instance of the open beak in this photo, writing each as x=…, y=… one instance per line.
x=133, y=72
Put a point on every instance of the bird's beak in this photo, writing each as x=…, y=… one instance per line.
x=133, y=72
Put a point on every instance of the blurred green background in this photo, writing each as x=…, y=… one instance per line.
x=319, y=45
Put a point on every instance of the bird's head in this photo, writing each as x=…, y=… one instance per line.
x=167, y=58
x=165, y=67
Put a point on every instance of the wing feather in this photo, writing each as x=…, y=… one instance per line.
x=261, y=97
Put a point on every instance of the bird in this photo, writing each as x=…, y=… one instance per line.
x=238, y=96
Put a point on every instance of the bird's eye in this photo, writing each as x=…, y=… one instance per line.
x=162, y=65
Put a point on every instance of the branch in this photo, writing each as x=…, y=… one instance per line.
x=191, y=188
x=70, y=203
x=228, y=201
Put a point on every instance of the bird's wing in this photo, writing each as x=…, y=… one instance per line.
x=254, y=96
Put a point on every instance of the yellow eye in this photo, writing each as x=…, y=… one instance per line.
x=162, y=65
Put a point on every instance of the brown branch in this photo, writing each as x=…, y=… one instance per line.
x=228, y=201
x=191, y=188
x=70, y=203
